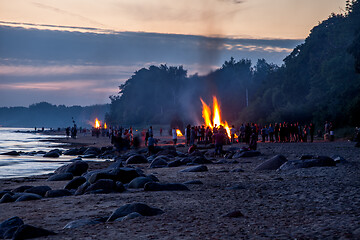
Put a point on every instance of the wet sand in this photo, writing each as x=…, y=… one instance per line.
x=313, y=203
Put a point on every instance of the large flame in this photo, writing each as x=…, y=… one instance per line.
x=206, y=113
x=216, y=121
x=105, y=126
x=97, y=123
x=178, y=133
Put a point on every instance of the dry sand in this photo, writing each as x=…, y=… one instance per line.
x=314, y=203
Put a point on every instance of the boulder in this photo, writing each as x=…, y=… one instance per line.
x=106, y=185
x=272, y=163
x=129, y=216
x=8, y=224
x=106, y=174
x=140, y=208
x=58, y=193
x=201, y=168
x=2, y=193
x=21, y=197
x=234, y=214
x=81, y=190
x=21, y=189
x=175, y=163
x=196, y=182
x=11, y=153
x=139, y=182
x=76, y=168
x=245, y=154
x=39, y=190
x=125, y=175
x=7, y=198
x=82, y=223
x=73, y=152
x=75, y=183
x=60, y=177
x=159, y=162
x=53, y=153
x=200, y=160
x=27, y=231
x=321, y=161
x=153, y=186
x=136, y=159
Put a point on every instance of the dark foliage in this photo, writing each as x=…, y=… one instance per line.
x=317, y=82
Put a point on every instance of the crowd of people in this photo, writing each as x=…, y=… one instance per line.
x=249, y=133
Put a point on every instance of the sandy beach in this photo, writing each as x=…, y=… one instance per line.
x=307, y=203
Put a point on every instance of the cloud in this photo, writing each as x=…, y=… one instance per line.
x=67, y=13
x=82, y=65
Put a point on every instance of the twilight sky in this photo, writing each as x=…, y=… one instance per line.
x=77, y=52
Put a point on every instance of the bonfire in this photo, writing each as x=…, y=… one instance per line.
x=215, y=121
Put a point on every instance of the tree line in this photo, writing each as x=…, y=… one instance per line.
x=319, y=81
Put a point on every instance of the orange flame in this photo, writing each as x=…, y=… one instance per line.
x=206, y=114
x=97, y=123
x=105, y=126
x=178, y=133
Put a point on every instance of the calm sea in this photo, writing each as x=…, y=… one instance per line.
x=22, y=139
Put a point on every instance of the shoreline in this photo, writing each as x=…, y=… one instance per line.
x=318, y=202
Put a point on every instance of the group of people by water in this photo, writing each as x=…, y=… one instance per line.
x=249, y=133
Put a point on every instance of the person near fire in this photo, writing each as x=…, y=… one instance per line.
x=219, y=138
x=174, y=136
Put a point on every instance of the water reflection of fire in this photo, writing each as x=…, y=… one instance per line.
x=97, y=123
x=178, y=133
x=216, y=121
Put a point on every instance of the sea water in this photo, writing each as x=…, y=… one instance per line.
x=26, y=140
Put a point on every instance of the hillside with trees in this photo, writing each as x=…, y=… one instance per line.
x=318, y=81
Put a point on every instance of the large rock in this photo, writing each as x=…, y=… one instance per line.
x=7, y=198
x=60, y=177
x=83, y=222
x=11, y=153
x=321, y=161
x=21, y=197
x=73, y=152
x=136, y=159
x=58, y=193
x=76, y=168
x=102, y=186
x=81, y=190
x=139, y=182
x=21, y=189
x=27, y=231
x=245, y=154
x=53, y=153
x=75, y=183
x=272, y=164
x=39, y=190
x=125, y=175
x=153, y=186
x=175, y=163
x=201, y=168
x=8, y=224
x=159, y=162
x=200, y=160
x=140, y=208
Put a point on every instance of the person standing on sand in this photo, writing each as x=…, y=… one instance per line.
x=312, y=131
x=219, y=139
x=151, y=145
x=174, y=136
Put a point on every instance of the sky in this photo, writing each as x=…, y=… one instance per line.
x=77, y=52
